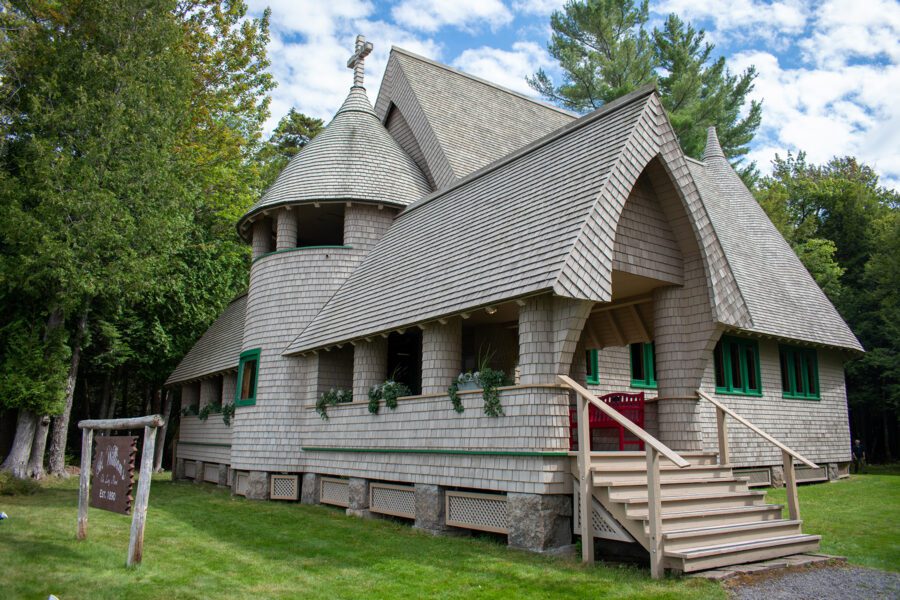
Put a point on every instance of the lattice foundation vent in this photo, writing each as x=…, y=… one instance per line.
x=756, y=477
x=335, y=491
x=190, y=469
x=241, y=481
x=807, y=474
x=284, y=487
x=394, y=500
x=605, y=525
x=211, y=473
x=486, y=512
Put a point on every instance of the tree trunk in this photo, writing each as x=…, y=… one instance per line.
x=17, y=461
x=38, y=447
x=61, y=423
x=161, y=442
x=887, y=440
x=105, y=396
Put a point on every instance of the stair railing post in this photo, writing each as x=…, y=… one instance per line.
x=586, y=500
x=654, y=514
x=722, y=427
x=790, y=484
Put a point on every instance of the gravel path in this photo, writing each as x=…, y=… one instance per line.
x=825, y=583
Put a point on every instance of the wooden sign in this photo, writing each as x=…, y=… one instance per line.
x=113, y=473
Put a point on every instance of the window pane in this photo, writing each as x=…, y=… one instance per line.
x=811, y=371
x=785, y=373
x=589, y=364
x=637, y=362
x=651, y=361
x=750, y=353
x=737, y=381
x=719, y=362
x=248, y=379
x=798, y=373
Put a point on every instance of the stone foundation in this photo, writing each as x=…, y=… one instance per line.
x=539, y=523
x=198, y=473
x=310, y=489
x=430, y=507
x=223, y=476
x=359, y=498
x=257, y=485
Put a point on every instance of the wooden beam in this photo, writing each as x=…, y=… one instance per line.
x=132, y=423
x=617, y=333
x=585, y=481
x=622, y=303
x=443, y=321
x=490, y=309
x=790, y=485
x=84, y=481
x=722, y=430
x=520, y=302
x=654, y=514
x=640, y=322
x=465, y=315
x=136, y=542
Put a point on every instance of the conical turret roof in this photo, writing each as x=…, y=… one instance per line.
x=353, y=159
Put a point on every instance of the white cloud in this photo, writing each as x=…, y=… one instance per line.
x=431, y=15
x=849, y=29
x=505, y=67
x=537, y=7
x=844, y=110
x=789, y=16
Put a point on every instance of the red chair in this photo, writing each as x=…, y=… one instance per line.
x=631, y=406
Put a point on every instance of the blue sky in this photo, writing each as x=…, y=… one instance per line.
x=829, y=70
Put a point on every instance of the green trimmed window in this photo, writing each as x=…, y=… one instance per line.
x=592, y=366
x=737, y=366
x=799, y=373
x=643, y=365
x=248, y=372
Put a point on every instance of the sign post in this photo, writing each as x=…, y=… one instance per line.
x=114, y=471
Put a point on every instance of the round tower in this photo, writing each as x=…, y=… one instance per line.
x=310, y=230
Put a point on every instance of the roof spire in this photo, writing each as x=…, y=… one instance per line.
x=713, y=149
x=357, y=61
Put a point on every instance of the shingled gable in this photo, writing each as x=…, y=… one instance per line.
x=459, y=123
x=782, y=297
x=354, y=159
x=513, y=229
x=218, y=349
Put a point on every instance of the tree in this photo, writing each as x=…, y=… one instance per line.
x=845, y=228
x=605, y=51
x=293, y=132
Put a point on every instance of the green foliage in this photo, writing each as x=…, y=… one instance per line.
x=605, y=51
x=488, y=380
x=228, y=414
x=190, y=410
x=12, y=486
x=845, y=228
x=332, y=397
x=209, y=409
x=453, y=392
x=293, y=132
x=388, y=391
x=33, y=367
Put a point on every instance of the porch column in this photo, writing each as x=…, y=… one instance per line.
x=286, y=236
x=549, y=330
x=441, y=356
x=369, y=366
x=209, y=391
x=685, y=336
x=229, y=388
x=262, y=237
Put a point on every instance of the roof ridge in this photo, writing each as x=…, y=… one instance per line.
x=483, y=81
x=604, y=110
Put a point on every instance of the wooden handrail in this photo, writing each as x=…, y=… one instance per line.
x=757, y=430
x=616, y=416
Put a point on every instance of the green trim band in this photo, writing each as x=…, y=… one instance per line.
x=205, y=444
x=436, y=451
x=283, y=250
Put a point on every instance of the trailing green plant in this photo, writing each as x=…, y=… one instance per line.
x=388, y=391
x=209, y=409
x=488, y=380
x=189, y=410
x=332, y=397
x=227, y=414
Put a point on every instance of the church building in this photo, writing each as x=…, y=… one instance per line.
x=435, y=277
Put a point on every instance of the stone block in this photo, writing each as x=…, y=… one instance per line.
x=777, y=476
x=257, y=485
x=223, y=476
x=310, y=489
x=198, y=473
x=430, y=508
x=359, y=498
x=539, y=522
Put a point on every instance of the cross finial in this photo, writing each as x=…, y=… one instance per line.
x=357, y=61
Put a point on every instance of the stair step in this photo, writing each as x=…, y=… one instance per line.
x=731, y=515
x=619, y=491
x=663, y=481
x=730, y=534
x=697, y=497
x=636, y=508
x=708, y=557
x=637, y=458
x=639, y=472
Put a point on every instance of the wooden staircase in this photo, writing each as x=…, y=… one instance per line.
x=709, y=518
x=688, y=510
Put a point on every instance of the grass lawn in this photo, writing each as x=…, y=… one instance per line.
x=858, y=517
x=202, y=543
